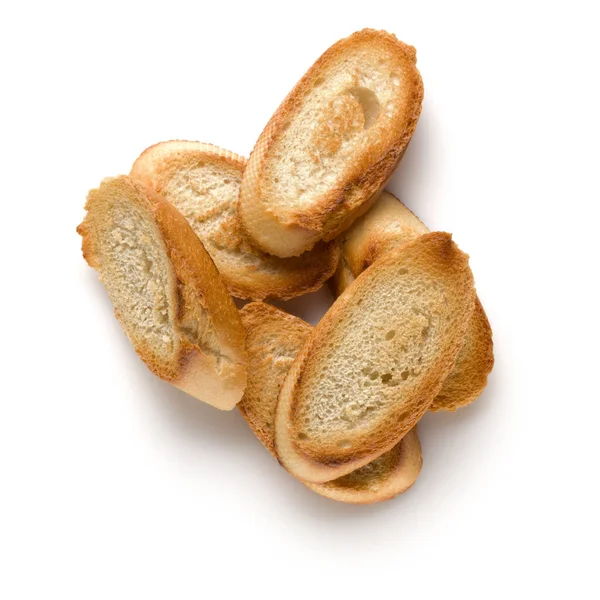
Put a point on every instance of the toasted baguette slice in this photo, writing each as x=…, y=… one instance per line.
x=273, y=340
x=332, y=144
x=376, y=361
x=166, y=291
x=386, y=226
x=203, y=182
x=388, y=475
x=474, y=363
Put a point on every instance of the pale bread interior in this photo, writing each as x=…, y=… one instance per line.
x=274, y=339
x=376, y=360
x=203, y=182
x=166, y=291
x=376, y=354
x=349, y=108
x=332, y=144
x=135, y=270
x=388, y=225
x=358, y=384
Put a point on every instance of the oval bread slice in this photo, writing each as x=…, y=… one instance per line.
x=332, y=143
x=376, y=361
x=273, y=340
x=203, y=182
x=166, y=291
x=388, y=225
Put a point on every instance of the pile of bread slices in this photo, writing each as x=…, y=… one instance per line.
x=193, y=225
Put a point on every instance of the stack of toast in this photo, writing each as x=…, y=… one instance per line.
x=193, y=226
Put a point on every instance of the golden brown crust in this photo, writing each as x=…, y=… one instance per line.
x=89, y=230
x=267, y=276
x=197, y=272
x=273, y=339
x=87, y=246
x=341, y=279
x=362, y=194
x=387, y=476
x=152, y=166
x=473, y=365
x=216, y=375
x=337, y=208
x=318, y=460
x=388, y=225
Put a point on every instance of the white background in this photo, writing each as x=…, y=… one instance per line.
x=114, y=485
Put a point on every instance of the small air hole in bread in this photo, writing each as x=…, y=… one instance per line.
x=369, y=104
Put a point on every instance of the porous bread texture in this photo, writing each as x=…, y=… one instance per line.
x=166, y=291
x=137, y=276
x=273, y=340
x=332, y=144
x=203, y=182
x=376, y=361
x=388, y=225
